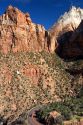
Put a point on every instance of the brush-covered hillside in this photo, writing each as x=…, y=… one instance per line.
x=37, y=66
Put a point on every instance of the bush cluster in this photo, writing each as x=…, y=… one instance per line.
x=68, y=109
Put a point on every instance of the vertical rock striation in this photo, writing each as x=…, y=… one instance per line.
x=19, y=33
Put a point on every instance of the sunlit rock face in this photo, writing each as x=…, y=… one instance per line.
x=64, y=33
x=19, y=33
x=69, y=21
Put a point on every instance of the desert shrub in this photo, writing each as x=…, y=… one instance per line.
x=68, y=109
x=53, y=60
x=76, y=105
x=59, y=107
x=58, y=120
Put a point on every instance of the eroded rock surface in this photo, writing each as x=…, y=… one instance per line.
x=71, y=44
x=67, y=34
x=19, y=33
x=29, y=77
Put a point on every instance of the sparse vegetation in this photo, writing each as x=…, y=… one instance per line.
x=54, y=81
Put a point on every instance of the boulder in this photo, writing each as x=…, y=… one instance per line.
x=53, y=118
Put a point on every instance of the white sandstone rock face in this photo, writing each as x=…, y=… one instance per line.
x=74, y=16
x=66, y=23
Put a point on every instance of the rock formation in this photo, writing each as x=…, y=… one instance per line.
x=72, y=46
x=64, y=30
x=18, y=33
x=29, y=77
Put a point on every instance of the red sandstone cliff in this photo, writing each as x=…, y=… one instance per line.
x=30, y=78
x=19, y=33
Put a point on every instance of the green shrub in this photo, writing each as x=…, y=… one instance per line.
x=58, y=120
x=68, y=109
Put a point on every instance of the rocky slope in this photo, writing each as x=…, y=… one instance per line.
x=29, y=79
x=29, y=74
